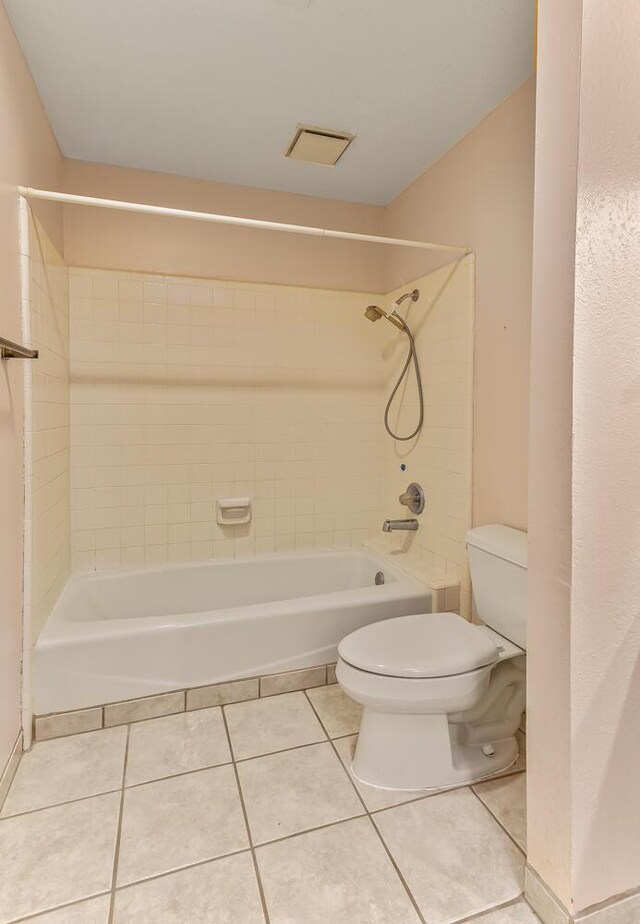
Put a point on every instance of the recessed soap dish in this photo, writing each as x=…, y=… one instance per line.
x=233, y=511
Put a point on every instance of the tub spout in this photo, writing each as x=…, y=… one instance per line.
x=390, y=526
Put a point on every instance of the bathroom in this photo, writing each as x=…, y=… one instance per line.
x=317, y=600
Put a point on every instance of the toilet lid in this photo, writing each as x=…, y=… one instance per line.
x=427, y=645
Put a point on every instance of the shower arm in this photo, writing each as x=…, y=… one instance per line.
x=392, y=315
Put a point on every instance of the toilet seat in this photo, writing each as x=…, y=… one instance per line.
x=428, y=645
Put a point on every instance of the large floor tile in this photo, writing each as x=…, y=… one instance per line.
x=374, y=797
x=93, y=911
x=58, y=855
x=176, y=744
x=339, y=714
x=224, y=891
x=179, y=821
x=296, y=790
x=67, y=768
x=520, y=913
x=272, y=724
x=456, y=859
x=506, y=799
x=340, y=874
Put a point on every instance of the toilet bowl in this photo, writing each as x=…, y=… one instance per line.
x=442, y=698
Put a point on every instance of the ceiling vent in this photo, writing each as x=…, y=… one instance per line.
x=318, y=145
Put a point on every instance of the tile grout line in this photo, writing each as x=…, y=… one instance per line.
x=371, y=821
x=76, y=901
x=263, y=900
x=179, y=869
x=498, y=822
x=295, y=747
x=171, y=776
x=438, y=792
x=185, y=691
x=294, y=834
x=116, y=855
x=478, y=915
x=44, y=808
x=251, y=849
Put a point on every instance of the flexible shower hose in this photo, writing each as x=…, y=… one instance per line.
x=412, y=355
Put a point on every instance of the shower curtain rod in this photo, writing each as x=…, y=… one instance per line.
x=124, y=206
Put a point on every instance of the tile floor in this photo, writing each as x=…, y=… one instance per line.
x=248, y=814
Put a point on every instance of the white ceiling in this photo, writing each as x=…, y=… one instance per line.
x=214, y=88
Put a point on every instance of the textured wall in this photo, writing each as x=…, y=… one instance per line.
x=584, y=571
x=606, y=447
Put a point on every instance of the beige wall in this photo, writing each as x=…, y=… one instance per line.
x=606, y=499
x=481, y=194
x=28, y=154
x=113, y=240
x=549, y=626
x=440, y=458
x=584, y=646
x=185, y=390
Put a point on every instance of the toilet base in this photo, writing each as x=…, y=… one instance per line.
x=409, y=752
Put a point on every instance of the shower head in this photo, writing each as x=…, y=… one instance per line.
x=373, y=313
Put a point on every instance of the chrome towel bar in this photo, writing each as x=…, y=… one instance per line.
x=11, y=350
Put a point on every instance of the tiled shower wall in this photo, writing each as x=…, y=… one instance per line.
x=440, y=459
x=185, y=390
x=48, y=559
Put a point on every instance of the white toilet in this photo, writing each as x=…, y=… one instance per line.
x=443, y=698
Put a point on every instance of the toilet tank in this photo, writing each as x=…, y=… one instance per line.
x=498, y=564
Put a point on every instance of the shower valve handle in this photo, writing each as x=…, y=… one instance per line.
x=413, y=498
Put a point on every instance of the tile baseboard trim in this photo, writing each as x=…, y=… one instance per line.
x=9, y=771
x=108, y=715
x=620, y=909
x=542, y=899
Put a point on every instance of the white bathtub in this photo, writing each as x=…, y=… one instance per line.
x=123, y=634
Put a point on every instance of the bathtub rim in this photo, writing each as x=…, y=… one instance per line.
x=59, y=630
